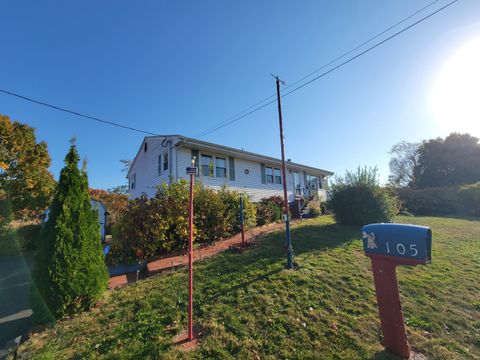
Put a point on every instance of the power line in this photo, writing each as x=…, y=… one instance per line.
x=256, y=108
x=370, y=48
x=236, y=118
x=76, y=113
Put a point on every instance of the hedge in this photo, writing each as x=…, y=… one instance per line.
x=461, y=200
x=159, y=225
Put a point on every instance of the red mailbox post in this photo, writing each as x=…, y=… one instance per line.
x=390, y=245
x=192, y=171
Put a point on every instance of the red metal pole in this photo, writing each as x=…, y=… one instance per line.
x=242, y=220
x=388, y=299
x=190, y=261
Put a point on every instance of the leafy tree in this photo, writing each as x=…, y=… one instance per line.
x=454, y=160
x=402, y=165
x=24, y=168
x=357, y=199
x=70, y=269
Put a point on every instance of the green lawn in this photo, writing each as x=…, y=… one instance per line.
x=250, y=307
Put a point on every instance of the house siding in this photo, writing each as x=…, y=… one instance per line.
x=250, y=183
x=145, y=168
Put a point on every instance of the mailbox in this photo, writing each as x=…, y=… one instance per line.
x=390, y=245
x=409, y=244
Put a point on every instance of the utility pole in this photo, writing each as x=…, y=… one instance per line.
x=284, y=177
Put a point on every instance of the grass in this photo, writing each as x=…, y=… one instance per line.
x=250, y=307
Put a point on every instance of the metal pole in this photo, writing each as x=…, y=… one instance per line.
x=284, y=176
x=190, y=261
x=242, y=220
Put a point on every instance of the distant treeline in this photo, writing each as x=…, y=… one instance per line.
x=438, y=176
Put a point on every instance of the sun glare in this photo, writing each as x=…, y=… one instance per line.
x=456, y=92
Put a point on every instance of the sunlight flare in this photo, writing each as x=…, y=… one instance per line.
x=456, y=92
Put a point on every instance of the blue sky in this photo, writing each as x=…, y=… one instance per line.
x=183, y=66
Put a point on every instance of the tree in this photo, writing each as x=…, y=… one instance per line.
x=70, y=270
x=454, y=160
x=402, y=165
x=24, y=168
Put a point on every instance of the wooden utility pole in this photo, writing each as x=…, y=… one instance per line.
x=284, y=177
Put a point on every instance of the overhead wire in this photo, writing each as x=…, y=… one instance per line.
x=233, y=119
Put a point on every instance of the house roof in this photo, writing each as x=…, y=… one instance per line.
x=184, y=140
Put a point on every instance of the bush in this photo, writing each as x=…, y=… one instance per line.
x=469, y=199
x=357, y=199
x=441, y=201
x=314, y=208
x=8, y=244
x=28, y=235
x=269, y=210
x=159, y=225
x=70, y=274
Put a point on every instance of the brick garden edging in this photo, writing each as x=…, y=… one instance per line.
x=168, y=263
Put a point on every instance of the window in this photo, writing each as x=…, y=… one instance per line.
x=269, y=174
x=159, y=164
x=145, y=146
x=278, y=177
x=206, y=163
x=134, y=180
x=220, y=167
x=311, y=183
x=165, y=161
x=296, y=183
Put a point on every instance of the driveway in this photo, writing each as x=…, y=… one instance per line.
x=15, y=311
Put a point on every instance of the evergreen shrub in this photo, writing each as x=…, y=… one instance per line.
x=70, y=274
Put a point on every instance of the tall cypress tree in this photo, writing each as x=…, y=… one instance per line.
x=70, y=269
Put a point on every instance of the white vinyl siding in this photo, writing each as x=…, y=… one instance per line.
x=243, y=175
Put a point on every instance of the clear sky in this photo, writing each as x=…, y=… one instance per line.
x=180, y=67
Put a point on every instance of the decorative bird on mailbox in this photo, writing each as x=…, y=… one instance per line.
x=370, y=240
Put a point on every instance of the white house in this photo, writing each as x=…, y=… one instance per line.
x=162, y=159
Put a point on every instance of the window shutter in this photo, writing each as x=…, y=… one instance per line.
x=231, y=163
x=262, y=171
x=159, y=164
x=197, y=161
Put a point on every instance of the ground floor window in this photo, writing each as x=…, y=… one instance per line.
x=220, y=167
x=278, y=177
x=206, y=162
